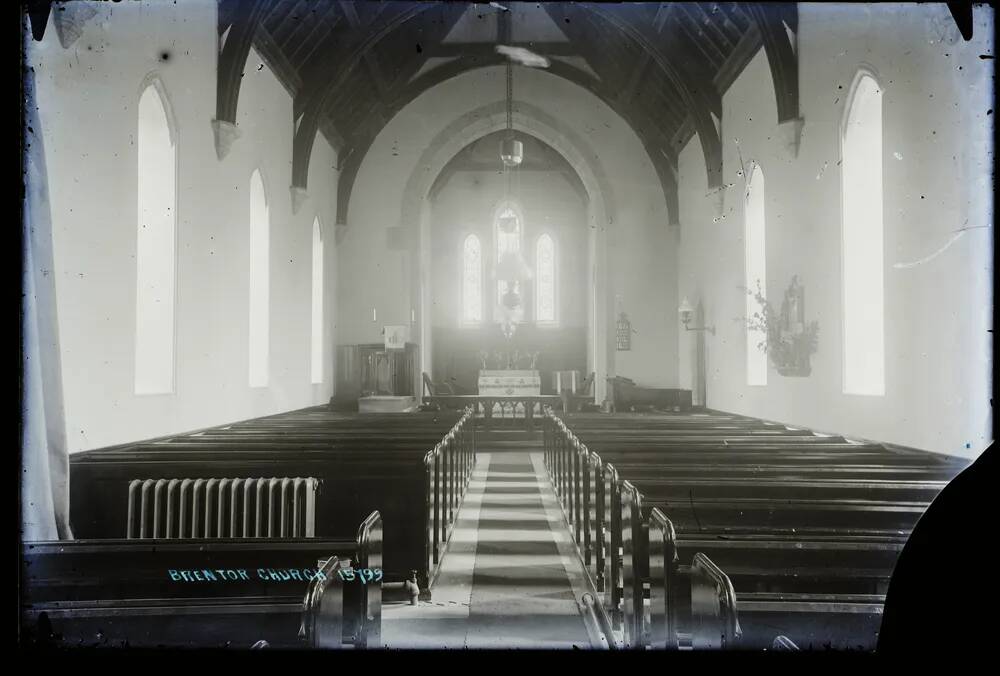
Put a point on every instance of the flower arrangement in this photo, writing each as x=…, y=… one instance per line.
x=788, y=340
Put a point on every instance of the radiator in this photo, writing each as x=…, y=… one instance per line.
x=222, y=508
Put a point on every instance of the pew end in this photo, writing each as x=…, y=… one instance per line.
x=714, y=621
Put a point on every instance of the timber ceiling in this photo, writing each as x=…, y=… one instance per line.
x=350, y=66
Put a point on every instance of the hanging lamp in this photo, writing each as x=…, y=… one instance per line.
x=511, y=150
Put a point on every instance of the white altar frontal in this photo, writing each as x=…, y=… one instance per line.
x=510, y=383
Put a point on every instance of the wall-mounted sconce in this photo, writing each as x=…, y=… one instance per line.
x=686, y=311
x=374, y=315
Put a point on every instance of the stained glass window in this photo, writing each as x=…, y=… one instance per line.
x=508, y=229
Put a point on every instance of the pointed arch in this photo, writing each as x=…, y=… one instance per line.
x=862, y=232
x=156, y=241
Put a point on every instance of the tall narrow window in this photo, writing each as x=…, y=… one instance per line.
x=862, y=263
x=260, y=283
x=756, y=275
x=155, y=247
x=317, y=304
x=545, y=280
x=472, y=280
x=508, y=238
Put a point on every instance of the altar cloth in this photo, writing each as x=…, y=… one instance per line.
x=510, y=383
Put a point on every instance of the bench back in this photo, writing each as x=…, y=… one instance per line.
x=146, y=591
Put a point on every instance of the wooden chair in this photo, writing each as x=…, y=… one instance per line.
x=436, y=389
x=441, y=389
x=586, y=387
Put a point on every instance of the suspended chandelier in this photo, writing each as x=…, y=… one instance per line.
x=511, y=150
x=511, y=268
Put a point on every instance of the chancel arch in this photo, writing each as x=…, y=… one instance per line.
x=595, y=186
x=517, y=221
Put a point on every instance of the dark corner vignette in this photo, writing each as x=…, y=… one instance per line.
x=505, y=327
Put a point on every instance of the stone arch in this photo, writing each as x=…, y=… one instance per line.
x=601, y=208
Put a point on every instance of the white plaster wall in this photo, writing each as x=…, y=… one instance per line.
x=643, y=258
x=937, y=162
x=88, y=97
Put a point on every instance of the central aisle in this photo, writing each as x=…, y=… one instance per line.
x=510, y=579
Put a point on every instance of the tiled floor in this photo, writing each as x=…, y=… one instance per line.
x=510, y=578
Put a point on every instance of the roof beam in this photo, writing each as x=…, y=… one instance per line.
x=449, y=49
x=233, y=52
x=714, y=32
x=452, y=69
x=698, y=100
x=323, y=26
x=741, y=55
x=781, y=57
x=290, y=20
x=350, y=163
x=651, y=137
x=316, y=94
x=696, y=37
x=351, y=14
x=663, y=12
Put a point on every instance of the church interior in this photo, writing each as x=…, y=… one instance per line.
x=496, y=325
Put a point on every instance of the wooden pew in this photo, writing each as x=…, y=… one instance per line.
x=770, y=506
x=417, y=486
x=844, y=618
x=798, y=585
x=578, y=481
x=867, y=509
x=198, y=593
x=578, y=472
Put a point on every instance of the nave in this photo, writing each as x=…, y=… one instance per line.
x=511, y=578
x=356, y=325
x=687, y=530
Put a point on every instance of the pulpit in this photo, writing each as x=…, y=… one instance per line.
x=380, y=380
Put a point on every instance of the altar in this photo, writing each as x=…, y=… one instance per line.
x=510, y=383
